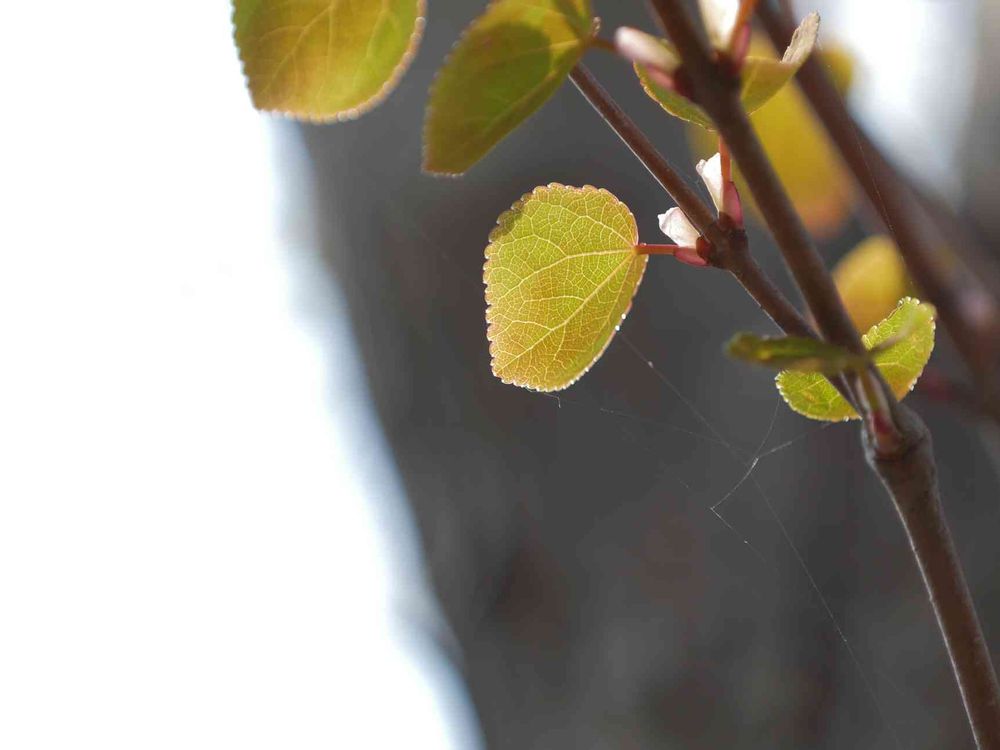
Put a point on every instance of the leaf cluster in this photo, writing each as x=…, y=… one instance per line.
x=564, y=263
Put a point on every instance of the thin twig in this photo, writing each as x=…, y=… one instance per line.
x=730, y=246
x=965, y=307
x=684, y=196
x=730, y=249
x=720, y=98
x=910, y=478
x=906, y=464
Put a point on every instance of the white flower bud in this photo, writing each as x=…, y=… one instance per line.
x=711, y=174
x=719, y=17
x=676, y=225
x=645, y=49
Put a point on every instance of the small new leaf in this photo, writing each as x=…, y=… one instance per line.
x=561, y=271
x=900, y=347
x=508, y=62
x=325, y=59
x=801, y=153
x=760, y=79
x=764, y=77
x=792, y=353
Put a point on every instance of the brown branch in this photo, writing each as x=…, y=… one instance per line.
x=905, y=464
x=911, y=481
x=973, y=327
x=730, y=247
x=677, y=188
x=718, y=94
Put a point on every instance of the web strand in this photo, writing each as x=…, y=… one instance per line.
x=751, y=465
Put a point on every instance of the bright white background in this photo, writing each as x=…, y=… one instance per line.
x=202, y=544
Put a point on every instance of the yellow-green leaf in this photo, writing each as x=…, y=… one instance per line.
x=872, y=279
x=792, y=353
x=675, y=104
x=901, y=346
x=325, y=59
x=795, y=141
x=508, y=62
x=561, y=271
x=761, y=77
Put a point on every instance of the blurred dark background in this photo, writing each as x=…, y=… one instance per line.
x=610, y=573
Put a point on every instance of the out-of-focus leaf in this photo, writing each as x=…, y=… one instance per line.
x=561, y=271
x=325, y=59
x=901, y=346
x=807, y=163
x=872, y=279
x=839, y=65
x=762, y=77
x=508, y=62
x=672, y=102
x=792, y=353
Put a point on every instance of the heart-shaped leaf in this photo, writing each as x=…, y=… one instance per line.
x=325, y=59
x=760, y=79
x=901, y=345
x=508, y=62
x=792, y=353
x=561, y=271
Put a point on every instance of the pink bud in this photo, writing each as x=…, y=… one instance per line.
x=690, y=257
x=732, y=206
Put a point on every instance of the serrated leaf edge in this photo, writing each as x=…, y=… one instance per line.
x=390, y=84
x=933, y=322
x=432, y=89
x=785, y=398
x=855, y=415
x=516, y=206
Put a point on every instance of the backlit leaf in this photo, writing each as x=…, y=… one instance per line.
x=325, y=59
x=872, y=279
x=763, y=76
x=809, y=166
x=561, y=271
x=761, y=79
x=677, y=105
x=900, y=363
x=508, y=62
x=792, y=353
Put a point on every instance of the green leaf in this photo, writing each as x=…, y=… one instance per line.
x=797, y=145
x=764, y=77
x=508, y=62
x=792, y=353
x=674, y=103
x=561, y=271
x=760, y=79
x=325, y=59
x=901, y=345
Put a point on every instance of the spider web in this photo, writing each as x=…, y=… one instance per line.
x=748, y=459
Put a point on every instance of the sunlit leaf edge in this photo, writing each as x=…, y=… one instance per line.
x=494, y=235
x=360, y=109
x=869, y=342
x=425, y=159
x=783, y=70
